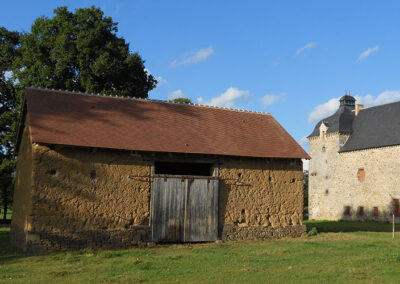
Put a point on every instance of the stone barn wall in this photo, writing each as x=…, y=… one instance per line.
x=80, y=197
x=22, y=206
x=267, y=202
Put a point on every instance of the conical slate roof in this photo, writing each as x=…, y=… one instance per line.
x=341, y=120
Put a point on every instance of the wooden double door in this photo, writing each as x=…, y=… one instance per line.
x=184, y=209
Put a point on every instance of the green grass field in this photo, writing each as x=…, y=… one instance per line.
x=356, y=252
x=9, y=214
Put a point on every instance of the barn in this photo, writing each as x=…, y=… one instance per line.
x=104, y=171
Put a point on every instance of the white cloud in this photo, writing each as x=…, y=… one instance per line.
x=384, y=97
x=275, y=63
x=304, y=142
x=307, y=46
x=194, y=57
x=270, y=99
x=176, y=94
x=160, y=80
x=326, y=109
x=226, y=99
x=367, y=53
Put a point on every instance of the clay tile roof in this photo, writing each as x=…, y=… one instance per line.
x=76, y=119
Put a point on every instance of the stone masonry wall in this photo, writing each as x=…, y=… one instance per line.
x=380, y=187
x=268, y=196
x=22, y=206
x=334, y=182
x=322, y=183
x=80, y=192
x=83, y=197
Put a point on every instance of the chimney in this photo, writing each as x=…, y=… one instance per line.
x=358, y=108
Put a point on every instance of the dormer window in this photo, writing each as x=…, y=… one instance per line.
x=322, y=130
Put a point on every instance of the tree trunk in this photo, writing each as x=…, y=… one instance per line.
x=5, y=205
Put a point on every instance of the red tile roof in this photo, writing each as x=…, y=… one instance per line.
x=60, y=117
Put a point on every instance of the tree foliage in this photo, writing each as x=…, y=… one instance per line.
x=9, y=104
x=182, y=100
x=81, y=51
x=76, y=51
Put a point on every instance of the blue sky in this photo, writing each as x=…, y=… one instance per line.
x=293, y=59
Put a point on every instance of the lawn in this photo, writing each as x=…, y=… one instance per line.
x=362, y=252
x=9, y=214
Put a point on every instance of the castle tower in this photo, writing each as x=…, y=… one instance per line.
x=328, y=137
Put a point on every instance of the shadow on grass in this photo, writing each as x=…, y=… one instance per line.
x=349, y=226
x=7, y=251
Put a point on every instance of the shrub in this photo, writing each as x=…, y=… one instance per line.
x=312, y=232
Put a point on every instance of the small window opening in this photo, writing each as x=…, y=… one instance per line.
x=323, y=134
x=93, y=174
x=192, y=169
x=396, y=208
x=376, y=212
x=293, y=180
x=270, y=179
x=323, y=149
x=361, y=174
x=360, y=211
x=239, y=175
x=347, y=210
x=326, y=191
x=52, y=172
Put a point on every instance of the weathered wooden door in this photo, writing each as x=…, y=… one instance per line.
x=184, y=210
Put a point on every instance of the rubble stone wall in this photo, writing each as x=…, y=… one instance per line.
x=80, y=197
x=334, y=182
x=269, y=192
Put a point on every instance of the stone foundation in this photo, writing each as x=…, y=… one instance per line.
x=235, y=232
x=46, y=241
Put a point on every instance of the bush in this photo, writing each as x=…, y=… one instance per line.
x=312, y=232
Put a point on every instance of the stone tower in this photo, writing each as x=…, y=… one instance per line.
x=325, y=141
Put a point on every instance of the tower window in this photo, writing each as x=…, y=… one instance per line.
x=376, y=212
x=361, y=174
x=347, y=210
x=360, y=211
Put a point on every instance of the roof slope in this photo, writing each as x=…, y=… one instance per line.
x=59, y=117
x=340, y=121
x=374, y=127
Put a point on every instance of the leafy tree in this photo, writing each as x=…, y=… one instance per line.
x=81, y=51
x=9, y=104
x=182, y=100
x=76, y=51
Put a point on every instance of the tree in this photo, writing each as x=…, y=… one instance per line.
x=81, y=51
x=181, y=100
x=77, y=51
x=9, y=104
